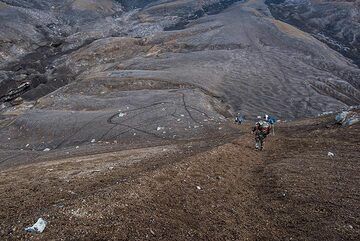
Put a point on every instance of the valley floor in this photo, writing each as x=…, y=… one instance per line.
x=217, y=190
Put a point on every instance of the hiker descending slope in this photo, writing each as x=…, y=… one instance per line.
x=261, y=130
x=239, y=119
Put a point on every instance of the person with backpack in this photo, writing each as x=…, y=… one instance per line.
x=239, y=119
x=261, y=130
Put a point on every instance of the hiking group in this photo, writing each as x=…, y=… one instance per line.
x=262, y=128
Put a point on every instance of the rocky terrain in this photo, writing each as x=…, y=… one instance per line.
x=100, y=96
x=220, y=189
x=336, y=23
x=88, y=61
x=233, y=50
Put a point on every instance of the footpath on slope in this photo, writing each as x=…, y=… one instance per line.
x=290, y=191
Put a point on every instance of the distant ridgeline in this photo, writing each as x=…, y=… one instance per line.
x=334, y=23
x=211, y=8
x=133, y=4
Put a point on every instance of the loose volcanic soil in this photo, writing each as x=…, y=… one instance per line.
x=216, y=189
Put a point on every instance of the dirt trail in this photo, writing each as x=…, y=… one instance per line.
x=290, y=191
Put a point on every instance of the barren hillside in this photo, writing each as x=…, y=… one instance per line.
x=116, y=119
x=201, y=190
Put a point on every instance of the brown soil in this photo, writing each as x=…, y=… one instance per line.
x=290, y=191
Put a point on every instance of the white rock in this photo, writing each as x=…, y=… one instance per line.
x=93, y=141
x=121, y=114
x=198, y=187
x=330, y=154
x=38, y=227
x=46, y=149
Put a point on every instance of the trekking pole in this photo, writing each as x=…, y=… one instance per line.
x=273, y=130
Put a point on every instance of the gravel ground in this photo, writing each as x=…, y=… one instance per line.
x=214, y=189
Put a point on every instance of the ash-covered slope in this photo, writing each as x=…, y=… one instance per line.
x=27, y=25
x=242, y=55
x=336, y=23
x=159, y=71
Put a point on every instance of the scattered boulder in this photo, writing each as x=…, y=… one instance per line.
x=38, y=227
x=347, y=118
x=341, y=117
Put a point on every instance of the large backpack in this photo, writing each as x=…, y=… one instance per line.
x=271, y=120
x=264, y=127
